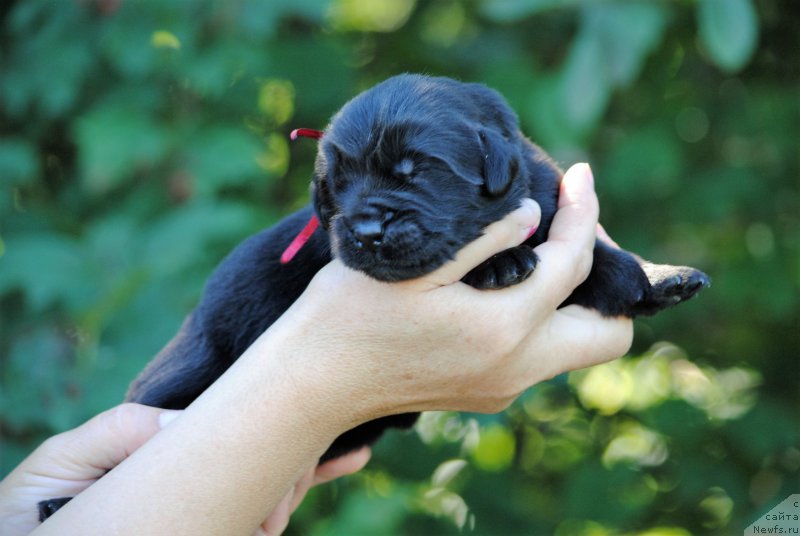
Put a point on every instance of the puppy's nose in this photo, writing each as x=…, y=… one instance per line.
x=368, y=233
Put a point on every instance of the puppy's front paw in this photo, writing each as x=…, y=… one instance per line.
x=669, y=285
x=507, y=268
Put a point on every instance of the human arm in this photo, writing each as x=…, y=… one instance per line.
x=350, y=350
x=68, y=463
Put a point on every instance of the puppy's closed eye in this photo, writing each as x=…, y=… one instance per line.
x=404, y=169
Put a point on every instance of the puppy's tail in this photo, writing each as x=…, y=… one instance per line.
x=179, y=373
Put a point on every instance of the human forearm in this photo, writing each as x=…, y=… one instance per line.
x=226, y=462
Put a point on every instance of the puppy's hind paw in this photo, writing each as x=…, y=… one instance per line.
x=507, y=268
x=670, y=285
x=51, y=506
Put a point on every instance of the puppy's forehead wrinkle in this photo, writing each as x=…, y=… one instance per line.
x=425, y=108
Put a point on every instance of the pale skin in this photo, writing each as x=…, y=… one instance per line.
x=68, y=463
x=352, y=349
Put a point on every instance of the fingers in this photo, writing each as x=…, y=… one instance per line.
x=278, y=520
x=107, y=439
x=509, y=232
x=566, y=256
x=346, y=465
x=603, y=235
x=565, y=259
x=584, y=338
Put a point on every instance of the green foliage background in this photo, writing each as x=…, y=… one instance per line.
x=141, y=140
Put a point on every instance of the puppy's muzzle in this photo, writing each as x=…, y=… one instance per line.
x=368, y=227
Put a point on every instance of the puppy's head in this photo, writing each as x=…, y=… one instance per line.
x=413, y=169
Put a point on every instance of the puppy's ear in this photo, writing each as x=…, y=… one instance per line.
x=329, y=163
x=320, y=198
x=500, y=162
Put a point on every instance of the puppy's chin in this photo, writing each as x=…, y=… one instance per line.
x=392, y=264
x=390, y=271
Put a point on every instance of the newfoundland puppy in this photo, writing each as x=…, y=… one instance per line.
x=406, y=174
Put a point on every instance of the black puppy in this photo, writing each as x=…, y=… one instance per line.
x=406, y=174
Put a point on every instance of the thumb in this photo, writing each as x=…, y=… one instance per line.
x=108, y=438
x=507, y=233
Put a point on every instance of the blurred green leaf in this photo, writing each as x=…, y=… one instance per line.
x=47, y=74
x=49, y=267
x=447, y=471
x=544, y=115
x=612, y=43
x=627, y=32
x=261, y=18
x=764, y=431
x=222, y=156
x=178, y=240
x=496, y=448
x=213, y=72
x=624, y=497
x=40, y=361
x=118, y=143
x=363, y=513
x=648, y=166
x=586, y=84
x=729, y=31
x=125, y=38
x=512, y=10
x=370, y=15
x=678, y=420
x=18, y=161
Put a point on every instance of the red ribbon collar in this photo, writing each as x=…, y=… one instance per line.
x=300, y=240
x=303, y=236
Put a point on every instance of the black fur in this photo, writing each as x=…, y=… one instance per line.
x=51, y=506
x=406, y=174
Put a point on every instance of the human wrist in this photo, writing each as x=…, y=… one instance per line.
x=268, y=418
x=319, y=361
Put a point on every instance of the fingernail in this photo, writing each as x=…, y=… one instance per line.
x=578, y=180
x=527, y=216
x=528, y=204
x=529, y=211
x=586, y=171
x=167, y=416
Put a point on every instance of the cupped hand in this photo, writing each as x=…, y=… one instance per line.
x=436, y=343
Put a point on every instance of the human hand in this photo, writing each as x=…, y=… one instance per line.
x=68, y=463
x=436, y=343
x=278, y=520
